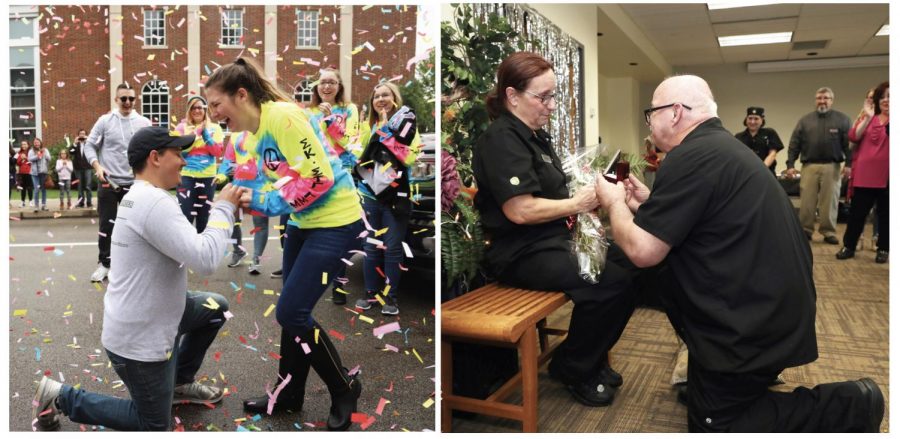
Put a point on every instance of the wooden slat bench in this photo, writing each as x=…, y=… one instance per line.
x=502, y=316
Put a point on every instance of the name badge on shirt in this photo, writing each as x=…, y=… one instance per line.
x=834, y=130
x=546, y=158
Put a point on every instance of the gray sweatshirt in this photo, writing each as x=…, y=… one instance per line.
x=153, y=245
x=108, y=143
x=39, y=165
x=820, y=138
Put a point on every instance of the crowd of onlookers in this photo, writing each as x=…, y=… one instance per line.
x=30, y=173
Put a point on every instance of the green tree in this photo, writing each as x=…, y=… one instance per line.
x=418, y=94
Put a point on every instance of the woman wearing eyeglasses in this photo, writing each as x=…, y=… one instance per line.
x=525, y=207
x=290, y=172
x=336, y=123
x=391, y=147
x=198, y=175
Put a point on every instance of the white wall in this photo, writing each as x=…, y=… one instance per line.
x=786, y=96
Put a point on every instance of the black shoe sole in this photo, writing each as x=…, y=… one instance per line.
x=264, y=405
x=871, y=391
x=556, y=374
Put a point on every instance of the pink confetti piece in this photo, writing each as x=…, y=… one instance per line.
x=384, y=329
x=391, y=348
x=381, y=403
x=274, y=395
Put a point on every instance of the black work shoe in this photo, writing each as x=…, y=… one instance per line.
x=282, y=404
x=681, y=393
x=845, y=253
x=338, y=298
x=343, y=405
x=808, y=236
x=592, y=392
x=872, y=394
x=881, y=256
x=610, y=376
x=831, y=240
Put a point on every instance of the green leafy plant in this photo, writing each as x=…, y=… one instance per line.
x=471, y=50
x=419, y=94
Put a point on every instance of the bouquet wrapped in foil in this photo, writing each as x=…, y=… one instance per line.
x=589, y=236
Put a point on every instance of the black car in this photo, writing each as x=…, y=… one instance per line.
x=420, y=233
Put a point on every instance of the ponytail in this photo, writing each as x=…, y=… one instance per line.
x=246, y=73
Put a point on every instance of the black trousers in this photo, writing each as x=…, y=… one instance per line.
x=600, y=311
x=728, y=402
x=108, y=200
x=862, y=202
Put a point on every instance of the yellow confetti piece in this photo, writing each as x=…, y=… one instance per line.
x=240, y=419
x=168, y=355
x=48, y=340
x=67, y=313
x=366, y=319
x=269, y=292
x=73, y=278
x=338, y=290
x=269, y=310
x=97, y=286
x=324, y=278
x=116, y=386
x=417, y=356
x=211, y=304
x=382, y=231
x=316, y=337
x=385, y=167
x=151, y=57
x=428, y=403
x=387, y=288
x=20, y=313
x=379, y=299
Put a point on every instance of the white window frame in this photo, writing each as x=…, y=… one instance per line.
x=20, y=13
x=304, y=89
x=224, y=17
x=307, y=27
x=155, y=102
x=153, y=23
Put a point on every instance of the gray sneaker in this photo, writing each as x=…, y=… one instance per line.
x=236, y=258
x=366, y=303
x=254, y=267
x=390, y=307
x=196, y=393
x=44, y=404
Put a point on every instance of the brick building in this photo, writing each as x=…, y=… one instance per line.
x=65, y=61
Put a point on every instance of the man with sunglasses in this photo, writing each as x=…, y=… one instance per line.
x=106, y=149
x=723, y=226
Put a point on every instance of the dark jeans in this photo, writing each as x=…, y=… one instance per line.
x=85, y=179
x=308, y=253
x=601, y=310
x=108, y=199
x=193, y=194
x=27, y=186
x=150, y=384
x=863, y=200
x=381, y=216
x=740, y=403
x=39, y=182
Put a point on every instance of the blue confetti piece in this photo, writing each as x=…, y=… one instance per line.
x=58, y=252
x=206, y=67
x=235, y=286
x=297, y=426
x=256, y=418
x=37, y=354
x=241, y=428
x=250, y=286
x=406, y=336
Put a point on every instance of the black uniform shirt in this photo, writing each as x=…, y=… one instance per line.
x=510, y=160
x=747, y=301
x=766, y=139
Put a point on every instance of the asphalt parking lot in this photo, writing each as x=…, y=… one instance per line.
x=56, y=315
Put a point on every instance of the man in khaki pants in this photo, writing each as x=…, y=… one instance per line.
x=820, y=140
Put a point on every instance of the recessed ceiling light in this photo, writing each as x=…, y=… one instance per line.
x=747, y=40
x=736, y=4
x=884, y=31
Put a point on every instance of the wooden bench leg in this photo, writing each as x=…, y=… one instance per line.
x=446, y=385
x=528, y=358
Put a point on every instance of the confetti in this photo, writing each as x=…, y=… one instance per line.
x=269, y=310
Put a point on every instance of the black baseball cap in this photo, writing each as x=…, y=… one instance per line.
x=154, y=139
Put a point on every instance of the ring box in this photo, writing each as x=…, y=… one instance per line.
x=617, y=170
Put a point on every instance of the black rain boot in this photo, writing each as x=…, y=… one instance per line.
x=293, y=361
x=344, y=389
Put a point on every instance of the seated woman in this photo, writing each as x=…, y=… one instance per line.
x=524, y=204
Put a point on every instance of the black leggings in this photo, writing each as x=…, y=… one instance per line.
x=862, y=202
x=26, y=185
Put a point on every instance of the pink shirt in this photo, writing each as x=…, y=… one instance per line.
x=871, y=159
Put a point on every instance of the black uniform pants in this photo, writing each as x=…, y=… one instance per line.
x=108, y=199
x=600, y=311
x=728, y=402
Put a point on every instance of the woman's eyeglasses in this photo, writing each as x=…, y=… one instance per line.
x=197, y=108
x=124, y=99
x=545, y=99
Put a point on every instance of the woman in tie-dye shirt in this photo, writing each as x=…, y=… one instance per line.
x=335, y=120
x=197, y=176
x=290, y=171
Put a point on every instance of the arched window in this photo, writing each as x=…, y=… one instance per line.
x=155, y=102
x=303, y=92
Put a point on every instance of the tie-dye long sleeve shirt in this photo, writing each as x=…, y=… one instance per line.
x=290, y=171
x=201, y=156
x=339, y=131
x=407, y=153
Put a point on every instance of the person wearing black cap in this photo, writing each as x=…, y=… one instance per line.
x=763, y=141
x=155, y=333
